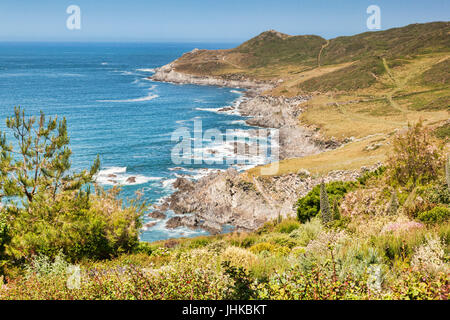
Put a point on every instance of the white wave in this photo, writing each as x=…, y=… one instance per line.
x=208, y=109
x=168, y=184
x=219, y=110
x=149, y=97
x=240, y=122
x=118, y=176
x=236, y=91
x=104, y=63
x=146, y=70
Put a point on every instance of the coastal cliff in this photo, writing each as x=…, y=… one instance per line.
x=230, y=198
x=335, y=103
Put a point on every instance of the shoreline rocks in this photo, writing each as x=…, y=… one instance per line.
x=157, y=215
x=229, y=198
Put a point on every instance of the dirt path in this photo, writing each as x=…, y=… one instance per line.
x=320, y=52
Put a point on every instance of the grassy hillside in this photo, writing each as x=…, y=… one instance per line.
x=273, y=55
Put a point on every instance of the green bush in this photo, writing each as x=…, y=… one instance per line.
x=287, y=226
x=4, y=240
x=415, y=159
x=435, y=215
x=309, y=205
x=96, y=228
x=49, y=207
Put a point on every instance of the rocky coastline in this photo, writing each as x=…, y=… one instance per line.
x=234, y=199
x=231, y=198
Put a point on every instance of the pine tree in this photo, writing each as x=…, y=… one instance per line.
x=393, y=204
x=40, y=161
x=324, y=205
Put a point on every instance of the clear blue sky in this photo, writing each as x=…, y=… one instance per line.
x=204, y=20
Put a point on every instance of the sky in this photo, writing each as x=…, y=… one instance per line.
x=204, y=20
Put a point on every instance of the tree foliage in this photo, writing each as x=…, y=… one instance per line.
x=49, y=208
x=40, y=160
x=309, y=206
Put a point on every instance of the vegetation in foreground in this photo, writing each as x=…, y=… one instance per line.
x=385, y=236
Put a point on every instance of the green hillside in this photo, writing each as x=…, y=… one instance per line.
x=343, y=63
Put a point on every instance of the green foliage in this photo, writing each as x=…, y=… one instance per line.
x=43, y=161
x=415, y=159
x=436, y=215
x=242, y=280
x=362, y=180
x=5, y=238
x=50, y=208
x=443, y=132
x=336, y=212
x=43, y=266
x=308, y=231
x=325, y=212
x=287, y=226
x=309, y=205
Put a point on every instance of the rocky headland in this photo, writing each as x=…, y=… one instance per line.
x=232, y=198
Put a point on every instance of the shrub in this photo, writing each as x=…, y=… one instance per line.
x=447, y=172
x=242, y=281
x=307, y=232
x=50, y=207
x=266, y=247
x=309, y=205
x=42, y=266
x=393, y=204
x=435, y=215
x=287, y=226
x=239, y=257
x=4, y=239
x=325, y=212
x=262, y=246
x=415, y=159
x=97, y=227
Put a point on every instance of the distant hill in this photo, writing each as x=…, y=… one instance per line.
x=343, y=63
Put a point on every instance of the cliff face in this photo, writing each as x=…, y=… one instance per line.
x=243, y=202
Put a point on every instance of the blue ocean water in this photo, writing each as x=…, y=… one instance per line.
x=113, y=110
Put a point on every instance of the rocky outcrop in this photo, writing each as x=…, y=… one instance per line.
x=167, y=73
x=235, y=199
x=283, y=113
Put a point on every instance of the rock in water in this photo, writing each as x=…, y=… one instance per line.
x=131, y=180
x=157, y=214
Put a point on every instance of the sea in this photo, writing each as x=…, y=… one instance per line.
x=113, y=110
